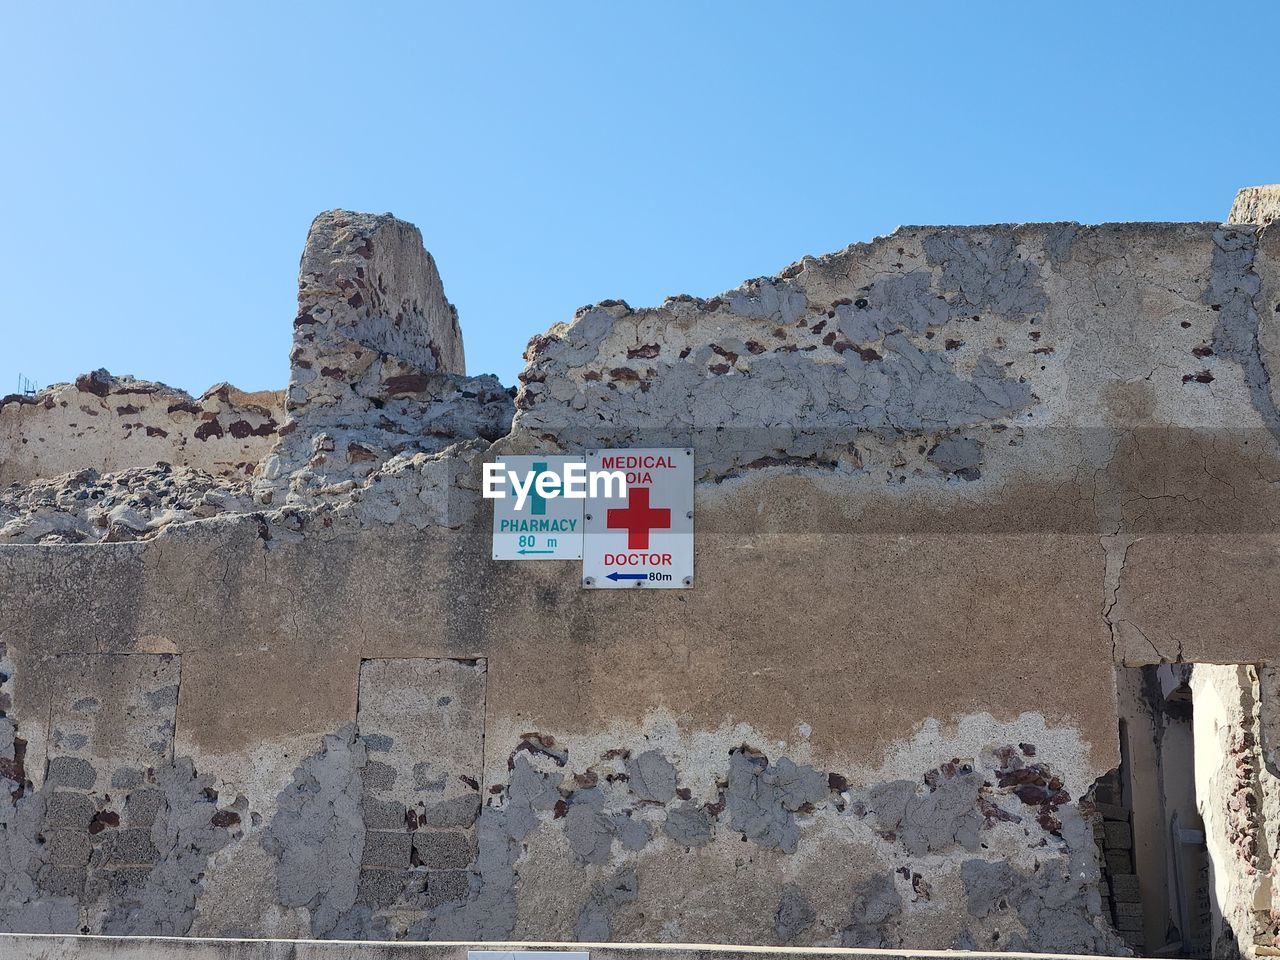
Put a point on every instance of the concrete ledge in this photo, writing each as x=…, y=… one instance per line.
x=39, y=946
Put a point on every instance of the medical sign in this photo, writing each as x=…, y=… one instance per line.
x=642, y=537
x=532, y=519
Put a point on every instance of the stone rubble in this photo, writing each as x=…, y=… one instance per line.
x=87, y=507
x=420, y=490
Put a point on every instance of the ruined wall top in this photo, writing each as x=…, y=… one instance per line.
x=366, y=281
x=107, y=424
x=377, y=367
x=938, y=375
x=935, y=362
x=1258, y=205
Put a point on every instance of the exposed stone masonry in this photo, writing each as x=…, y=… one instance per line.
x=1260, y=205
x=110, y=424
x=451, y=869
x=377, y=364
x=1113, y=834
x=117, y=835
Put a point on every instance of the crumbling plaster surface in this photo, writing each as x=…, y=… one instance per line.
x=1235, y=791
x=1259, y=205
x=377, y=365
x=1114, y=380
x=928, y=465
x=910, y=835
x=612, y=699
x=1029, y=350
x=1219, y=531
x=108, y=424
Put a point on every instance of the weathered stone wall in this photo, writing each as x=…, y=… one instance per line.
x=1259, y=205
x=377, y=365
x=628, y=779
x=52, y=947
x=1229, y=775
x=88, y=507
x=108, y=424
x=944, y=480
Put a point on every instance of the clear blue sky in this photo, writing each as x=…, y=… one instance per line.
x=160, y=164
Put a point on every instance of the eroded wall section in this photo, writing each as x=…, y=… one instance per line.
x=107, y=424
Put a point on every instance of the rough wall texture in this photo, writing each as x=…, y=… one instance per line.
x=1258, y=205
x=947, y=480
x=377, y=366
x=1229, y=786
x=53, y=947
x=109, y=424
x=88, y=507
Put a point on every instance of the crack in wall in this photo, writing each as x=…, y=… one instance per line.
x=1233, y=288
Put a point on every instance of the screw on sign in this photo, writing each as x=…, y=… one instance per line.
x=643, y=538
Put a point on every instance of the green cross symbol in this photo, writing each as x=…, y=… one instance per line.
x=539, y=502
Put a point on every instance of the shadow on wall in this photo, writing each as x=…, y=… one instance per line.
x=1201, y=801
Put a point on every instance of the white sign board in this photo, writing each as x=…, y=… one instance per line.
x=544, y=528
x=645, y=537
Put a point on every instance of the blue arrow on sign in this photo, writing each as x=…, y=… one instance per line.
x=616, y=576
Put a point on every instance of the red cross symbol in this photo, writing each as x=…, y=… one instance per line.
x=638, y=518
